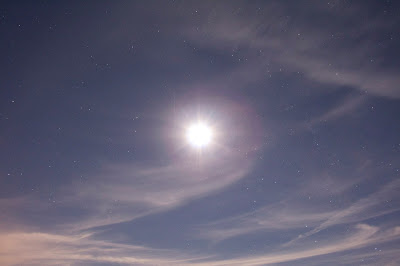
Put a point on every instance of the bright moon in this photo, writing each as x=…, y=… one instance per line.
x=199, y=135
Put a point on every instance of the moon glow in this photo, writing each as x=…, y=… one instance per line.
x=199, y=135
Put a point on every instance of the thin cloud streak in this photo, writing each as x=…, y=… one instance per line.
x=22, y=248
x=363, y=236
x=280, y=217
x=43, y=248
x=304, y=47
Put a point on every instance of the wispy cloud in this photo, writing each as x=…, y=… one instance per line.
x=334, y=54
x=123, y=192
x=44, y=249
x=21, y=248
x=257, y=44
x=362, y=236
x=295, y=214
x=133, y=191
x=346, y=107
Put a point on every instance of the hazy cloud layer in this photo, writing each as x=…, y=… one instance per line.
x=303, y=170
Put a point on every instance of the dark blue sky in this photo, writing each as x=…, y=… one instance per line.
x=303, y=99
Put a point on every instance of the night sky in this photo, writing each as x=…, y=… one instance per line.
x=300, y=101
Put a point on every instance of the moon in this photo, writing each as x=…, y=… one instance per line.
x=199, y=135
